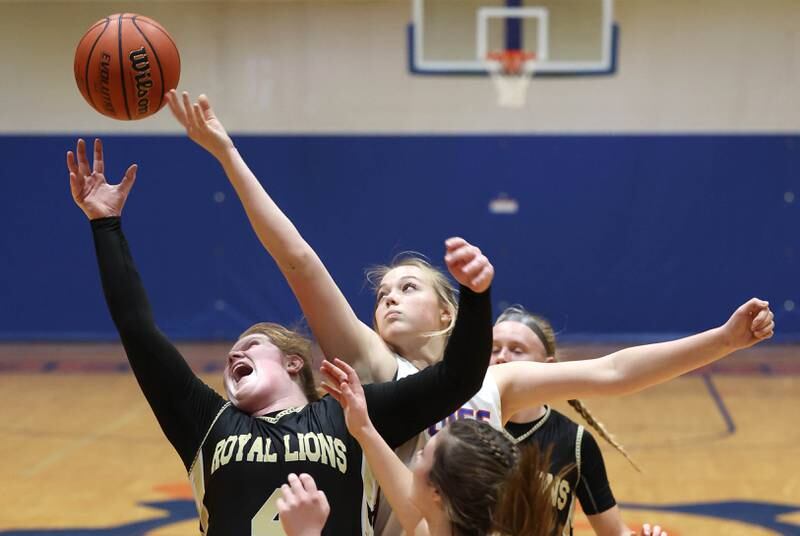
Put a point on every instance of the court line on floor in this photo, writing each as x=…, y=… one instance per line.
x=720, y=403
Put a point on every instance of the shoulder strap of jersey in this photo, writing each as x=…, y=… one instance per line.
x=578, y=441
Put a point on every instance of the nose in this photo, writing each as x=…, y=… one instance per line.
x=233, y=356
x=390, y=298
x=500, y=357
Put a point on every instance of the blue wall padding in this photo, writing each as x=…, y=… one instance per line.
x=616, y=236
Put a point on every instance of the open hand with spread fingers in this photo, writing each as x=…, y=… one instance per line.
x=90, y=190
x=468, y=265
x=343, y=384
x=200, y=122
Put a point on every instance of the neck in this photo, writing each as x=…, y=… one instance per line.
x=438, y=523
x=293, y=398
x=423, y=352
x=528, y=415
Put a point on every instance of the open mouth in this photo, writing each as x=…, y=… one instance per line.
x=240, y=370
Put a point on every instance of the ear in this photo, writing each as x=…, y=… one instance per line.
x=446, y=316
x=436, y=497
x=294, y=364
x=551, y=359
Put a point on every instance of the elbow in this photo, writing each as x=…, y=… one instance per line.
x=298, y=259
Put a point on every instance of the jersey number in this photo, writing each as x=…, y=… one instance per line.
x=266, y=522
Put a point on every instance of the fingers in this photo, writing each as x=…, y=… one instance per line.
x=462, y=254
x=98, y=166
x=191, y=122
x=350, y=372
x=83, y=162
x=127, y=181
x=176, y=108
x=647, y=530
x=307, y=482
x=332, y=371
x=484, y=278
x=454, y=243
x=334, y=392
x=72, y=166
x=753, y=306
x=76, y=187
x=205, y=106
x=198, y=115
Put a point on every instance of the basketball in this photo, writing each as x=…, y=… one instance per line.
x=124, y=64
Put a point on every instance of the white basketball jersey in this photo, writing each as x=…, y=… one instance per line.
x=484, y=406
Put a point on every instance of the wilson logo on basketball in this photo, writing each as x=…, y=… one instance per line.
x=102, y=87
x=141, y=65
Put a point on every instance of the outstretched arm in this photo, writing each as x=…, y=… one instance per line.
x=330, y=317
x=394, y=478
x=183, y=405
x=527, y=384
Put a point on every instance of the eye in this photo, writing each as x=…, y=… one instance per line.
x=409, y=285
x=495, y=350
x=517, y=350
x=381, y=295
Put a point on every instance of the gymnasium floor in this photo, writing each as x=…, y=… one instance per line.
x=81, y=454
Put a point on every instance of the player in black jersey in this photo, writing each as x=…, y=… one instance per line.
x=577, y=468
x=239, y=452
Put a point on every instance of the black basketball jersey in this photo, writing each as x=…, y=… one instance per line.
x=575, y=450
x=244, y=460
x=237, y=461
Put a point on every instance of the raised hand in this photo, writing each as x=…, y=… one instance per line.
x=200, y=122
x=751, y=323
x=95, y=197
x=302, y=508
x=342, y=383
x=468, y=265
x=655, y=530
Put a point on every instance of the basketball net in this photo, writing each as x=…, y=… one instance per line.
x=511, y=72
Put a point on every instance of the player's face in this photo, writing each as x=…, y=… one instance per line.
x=254, y=371
x=514, y=341
x=422, y=490
x=407, y=306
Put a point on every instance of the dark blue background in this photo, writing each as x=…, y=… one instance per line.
x=617, y=237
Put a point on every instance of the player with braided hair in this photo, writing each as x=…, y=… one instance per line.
x=469, y=480
x=520, y=335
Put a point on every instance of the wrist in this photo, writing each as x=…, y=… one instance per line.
x=227, y=154
x=724, y=339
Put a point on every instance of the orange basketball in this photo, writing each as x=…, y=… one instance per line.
x=124, y=64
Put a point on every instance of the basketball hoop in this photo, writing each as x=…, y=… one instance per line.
x=511, y=72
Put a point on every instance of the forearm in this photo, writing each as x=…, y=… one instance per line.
x=275, y=231
x=468, y=351
x=609, y=523
x=633, y=369
x=394, y=478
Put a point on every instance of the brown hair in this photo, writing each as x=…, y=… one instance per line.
x=488, y=485
x=544, y=330
x=290, y=342
x=444, y=289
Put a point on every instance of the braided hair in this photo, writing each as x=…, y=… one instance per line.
x=478, y=472
x=544, y=331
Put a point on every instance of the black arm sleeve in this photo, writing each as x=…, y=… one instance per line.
x=184, y=406
x=594, y=490
x=402, y=409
